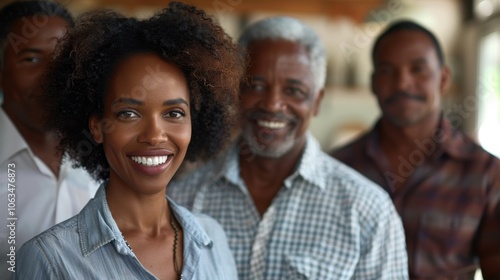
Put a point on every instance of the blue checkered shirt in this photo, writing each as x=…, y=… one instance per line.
x=327, y=221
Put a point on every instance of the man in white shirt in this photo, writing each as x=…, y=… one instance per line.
x=37, y=187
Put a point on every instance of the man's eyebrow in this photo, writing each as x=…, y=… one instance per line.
x=294, y=81
x=420, y=60
x=30, y=50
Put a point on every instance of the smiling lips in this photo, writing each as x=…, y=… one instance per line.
x=151, y=165
x=271, y=124
x=150, y=161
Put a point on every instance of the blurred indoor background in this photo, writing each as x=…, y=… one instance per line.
x=469, y=31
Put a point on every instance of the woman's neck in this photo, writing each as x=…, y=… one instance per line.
x=144, y=213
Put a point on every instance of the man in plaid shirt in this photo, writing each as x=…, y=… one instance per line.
x=445, y=187
x=289, y=210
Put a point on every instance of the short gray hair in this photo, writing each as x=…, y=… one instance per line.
x=290, y=29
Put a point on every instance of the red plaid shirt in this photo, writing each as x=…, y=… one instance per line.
x=450, y=205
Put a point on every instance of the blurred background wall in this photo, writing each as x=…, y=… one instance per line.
x=469, y=31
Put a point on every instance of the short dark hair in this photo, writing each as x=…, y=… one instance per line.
x=77, y=79
x=409, y=25
x=16, y=10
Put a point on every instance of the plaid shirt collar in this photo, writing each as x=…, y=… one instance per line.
x=307, y=168
x=448, y=141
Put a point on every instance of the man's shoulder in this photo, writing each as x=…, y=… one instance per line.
x=347, y=150
x=350, y=197
x=342, y=178
x=469, y=149
x=201, y=173
x=184, y=188
x=78, y=177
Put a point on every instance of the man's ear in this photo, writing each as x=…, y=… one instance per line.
x=1, y=81
x=317, y=102
x=445, y=81
x=96, y=128
x=372, y=83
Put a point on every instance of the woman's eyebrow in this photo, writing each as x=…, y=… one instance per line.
x=175, y=102
x=129, y=101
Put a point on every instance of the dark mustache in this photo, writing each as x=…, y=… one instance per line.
x=404, y=94
x=277, y=116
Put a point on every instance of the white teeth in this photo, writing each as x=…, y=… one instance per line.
x=271, y=125
x=150, y=161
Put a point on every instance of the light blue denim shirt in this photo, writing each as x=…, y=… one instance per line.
x=90, y=246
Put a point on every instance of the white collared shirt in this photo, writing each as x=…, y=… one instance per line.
x=41, y=199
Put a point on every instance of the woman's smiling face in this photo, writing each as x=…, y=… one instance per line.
x=146, y=125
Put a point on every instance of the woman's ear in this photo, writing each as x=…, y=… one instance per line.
x=95, y=128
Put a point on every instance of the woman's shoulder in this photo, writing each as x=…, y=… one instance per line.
x=38, y=254
x=57, y=233
x=65, y=234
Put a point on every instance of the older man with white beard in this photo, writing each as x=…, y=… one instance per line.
x=289, y=210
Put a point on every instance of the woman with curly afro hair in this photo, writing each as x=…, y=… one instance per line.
x=130, y=100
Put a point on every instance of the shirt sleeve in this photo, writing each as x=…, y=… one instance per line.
x=384, y=254
x=32, y=263
x=489, y=231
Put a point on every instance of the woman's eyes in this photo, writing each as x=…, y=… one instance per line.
x=175, y=114
x=126, y=114
x=129, y=114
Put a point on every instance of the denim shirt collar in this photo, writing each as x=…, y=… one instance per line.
x=96, y=226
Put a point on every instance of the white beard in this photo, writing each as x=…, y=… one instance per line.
x=267, y=151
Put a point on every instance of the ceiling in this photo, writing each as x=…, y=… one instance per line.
x=356, y=10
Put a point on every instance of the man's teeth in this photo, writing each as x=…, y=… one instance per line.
x=271, y=125
x=150, y=161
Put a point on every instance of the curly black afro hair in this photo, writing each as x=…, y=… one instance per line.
x=77, y=79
